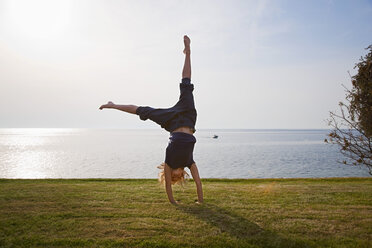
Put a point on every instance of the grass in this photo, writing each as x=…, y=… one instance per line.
x=333, y=212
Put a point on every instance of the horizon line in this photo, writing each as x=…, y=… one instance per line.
x=107, y=128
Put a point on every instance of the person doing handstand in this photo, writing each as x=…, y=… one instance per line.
x=180, y=121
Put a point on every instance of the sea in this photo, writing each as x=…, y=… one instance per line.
x=121, y=153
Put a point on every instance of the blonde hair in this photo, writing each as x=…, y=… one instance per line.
x=180, y=180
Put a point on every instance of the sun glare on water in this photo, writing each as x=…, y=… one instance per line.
x=31, y=152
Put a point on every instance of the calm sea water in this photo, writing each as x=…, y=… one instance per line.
x=115, y=153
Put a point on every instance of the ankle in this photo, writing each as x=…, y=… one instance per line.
x=187, y=51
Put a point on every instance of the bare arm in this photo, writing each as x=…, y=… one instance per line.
x=168, y=184
x=195, y=176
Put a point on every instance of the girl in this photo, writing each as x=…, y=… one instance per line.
x=180, y=121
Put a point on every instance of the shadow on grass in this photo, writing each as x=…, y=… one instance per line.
x=239, y=227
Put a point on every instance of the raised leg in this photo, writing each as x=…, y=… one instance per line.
x=186, y=72
x=126, y=108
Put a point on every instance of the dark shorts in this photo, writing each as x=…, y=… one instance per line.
x=183, y=113
x=179, y=152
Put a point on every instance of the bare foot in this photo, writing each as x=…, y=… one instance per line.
x=186, y=41
x=108, y=105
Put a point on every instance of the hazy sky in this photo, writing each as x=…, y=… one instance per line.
x=255, y=64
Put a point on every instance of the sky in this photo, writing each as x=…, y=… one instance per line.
x=255, y=63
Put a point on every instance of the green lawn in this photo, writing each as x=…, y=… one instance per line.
x=136, y=213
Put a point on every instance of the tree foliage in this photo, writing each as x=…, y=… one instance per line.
x=352, y=128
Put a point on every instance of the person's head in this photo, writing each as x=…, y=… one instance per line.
x=179, y=175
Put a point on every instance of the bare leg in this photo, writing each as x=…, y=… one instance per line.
x=126, y=108
x=186, y=72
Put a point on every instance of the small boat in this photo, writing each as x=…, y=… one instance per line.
x=215, y=136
